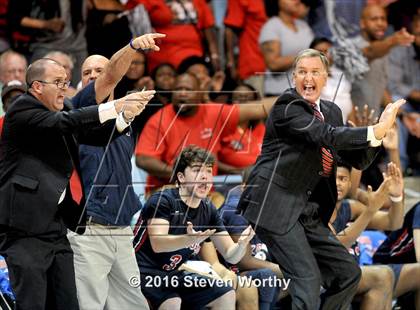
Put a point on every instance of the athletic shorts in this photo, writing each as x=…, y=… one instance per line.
x=195, y=291
x=396, y=268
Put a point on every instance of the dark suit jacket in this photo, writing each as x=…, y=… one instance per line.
x=288, y=172
x=38, y=150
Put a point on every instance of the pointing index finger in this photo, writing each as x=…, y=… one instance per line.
x=157, y=35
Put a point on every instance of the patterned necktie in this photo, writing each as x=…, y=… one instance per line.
x=326, y=155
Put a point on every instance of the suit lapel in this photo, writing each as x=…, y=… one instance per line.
x=325, y=109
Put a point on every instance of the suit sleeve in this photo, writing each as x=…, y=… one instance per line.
x=293, y=118
x=83, y=122
x=38, y=119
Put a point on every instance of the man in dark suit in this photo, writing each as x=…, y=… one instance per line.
x=291, y=192
x=38, y=152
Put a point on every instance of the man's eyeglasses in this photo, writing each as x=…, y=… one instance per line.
x=59, y=84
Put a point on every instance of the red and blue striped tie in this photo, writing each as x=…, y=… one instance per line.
x=326, y=155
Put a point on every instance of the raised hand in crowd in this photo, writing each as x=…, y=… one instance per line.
x=361, y=118
x=376, y=199
x=402, y=37
x=394, y=180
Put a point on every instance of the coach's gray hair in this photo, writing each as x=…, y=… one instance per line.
x=310, y=53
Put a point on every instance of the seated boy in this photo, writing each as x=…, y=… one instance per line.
x=170, y=229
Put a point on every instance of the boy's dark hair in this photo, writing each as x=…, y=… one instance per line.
x=342, y=164
x=190, y=155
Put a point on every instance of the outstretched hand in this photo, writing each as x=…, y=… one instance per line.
x=198, y=236
x=387, y=119
x=134, y=103
x=390, y=140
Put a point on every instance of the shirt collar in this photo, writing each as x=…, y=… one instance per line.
x=318, y=104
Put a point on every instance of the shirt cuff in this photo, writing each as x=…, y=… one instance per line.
x=121, y=123
x=373, y=142
x=107, y=111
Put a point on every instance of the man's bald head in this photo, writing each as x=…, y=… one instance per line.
x=373, y=22
x=370, y=9
x=37, y=70
x=92, y=67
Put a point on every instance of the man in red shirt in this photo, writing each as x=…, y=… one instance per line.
x=245, y=18
x=188, y=121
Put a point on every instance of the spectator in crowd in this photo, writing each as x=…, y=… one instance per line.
x=136, y=77
x=281, y=38
x=404, y=81
x=38, y=150
x=410, y=145
x=243, y=22
x=164, y=77
x=338, y=88
x=53, y=25
x=296, y=170
x=186, y=24
x=211, y=84
x=241, y=149
x=103, y=257
x=67, y=62
x=9, y=93
x=378, y=285
x=372, y=88
x=172, y=226
x=12, y=67
x=107, y=28
x=344, y=11
x=188, y=121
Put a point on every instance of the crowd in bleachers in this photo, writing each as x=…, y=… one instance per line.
x=217, y=74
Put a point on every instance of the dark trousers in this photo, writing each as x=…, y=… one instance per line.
x=311, y=256
x=41, y=272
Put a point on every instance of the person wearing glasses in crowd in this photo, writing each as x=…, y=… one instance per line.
x=38, y=152
x=290, y=208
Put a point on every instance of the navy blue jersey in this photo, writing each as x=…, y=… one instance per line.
x=168, y=205
x=398, y=248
